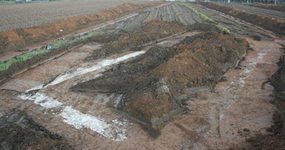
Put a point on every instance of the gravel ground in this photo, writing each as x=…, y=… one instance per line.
x=29, y=15
x=254, y=10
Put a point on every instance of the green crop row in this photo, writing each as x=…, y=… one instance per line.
x=210, y=20
x=23, y=57
x=4, y=65
x=223, y=29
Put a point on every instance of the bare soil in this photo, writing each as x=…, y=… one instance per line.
x=34, y=14
x=152, y=84
x=15, y=39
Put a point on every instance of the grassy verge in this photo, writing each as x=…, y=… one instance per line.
x=210, y=20
x=4, y=65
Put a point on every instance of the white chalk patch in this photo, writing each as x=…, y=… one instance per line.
x=115, y=131
x=261, y=55
x=79, y=120
x=117, y=101
x=42, y=100
x=99, y=66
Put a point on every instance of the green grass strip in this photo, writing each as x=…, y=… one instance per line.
x=4, y=65
x=23, y=57
x=208, y=19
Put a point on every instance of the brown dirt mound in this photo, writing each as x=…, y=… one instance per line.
x=19, y=131
x=152, y=85
x=18, y=38
x=272, y=7
x=202, y=60
x=269, y=23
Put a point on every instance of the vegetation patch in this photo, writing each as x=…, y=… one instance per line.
x=208, y=19
x=4, y=65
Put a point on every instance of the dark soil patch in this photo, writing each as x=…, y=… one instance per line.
x=269, y=23
x=19, y=131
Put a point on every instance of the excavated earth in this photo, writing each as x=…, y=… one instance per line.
x=160, y=79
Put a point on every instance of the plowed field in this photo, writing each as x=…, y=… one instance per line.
x=29, y=15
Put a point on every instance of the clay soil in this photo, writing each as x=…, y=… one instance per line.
x=162, y=79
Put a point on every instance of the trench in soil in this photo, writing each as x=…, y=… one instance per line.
x=220, y=115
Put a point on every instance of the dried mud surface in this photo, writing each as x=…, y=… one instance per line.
x=29, y=15
x=273, y=24
x=19, y=131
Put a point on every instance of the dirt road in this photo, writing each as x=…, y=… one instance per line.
x=149, y=84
